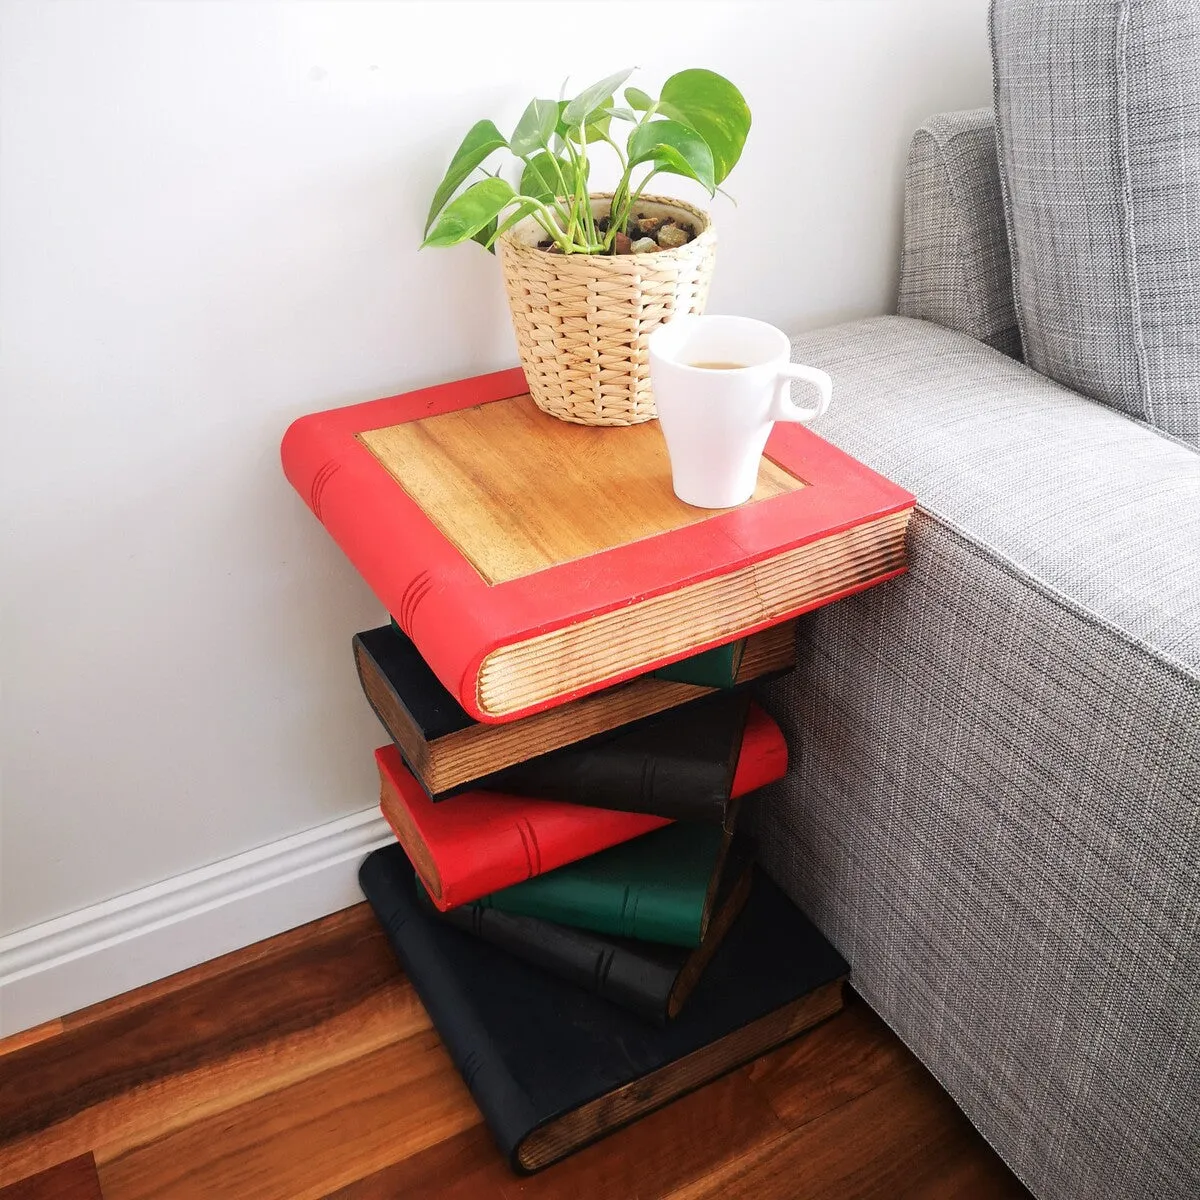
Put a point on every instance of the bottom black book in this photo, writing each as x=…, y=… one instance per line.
x=553, y=1067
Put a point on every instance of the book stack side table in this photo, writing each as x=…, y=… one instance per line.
x=544, y=582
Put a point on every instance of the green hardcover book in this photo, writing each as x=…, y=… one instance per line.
x=658, y=887
x=715, y=668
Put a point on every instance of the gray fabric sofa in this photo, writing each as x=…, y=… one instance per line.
x=994, y=805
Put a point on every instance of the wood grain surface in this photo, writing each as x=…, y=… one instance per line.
x=165, y=1030
x=27, y=1037
x=903, y=1138
x=74, y=1179
x=518, y=491
x=535, y=670
x=305, y=1067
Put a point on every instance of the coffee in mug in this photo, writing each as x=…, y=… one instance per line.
x=720, y=384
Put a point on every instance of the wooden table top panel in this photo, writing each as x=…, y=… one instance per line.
x=518, y=491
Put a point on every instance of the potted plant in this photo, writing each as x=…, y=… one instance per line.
x=590, y=275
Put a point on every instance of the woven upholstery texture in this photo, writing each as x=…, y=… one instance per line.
x=992, y=809
x=954, y=268
x=1098, y=113
x=583, y=321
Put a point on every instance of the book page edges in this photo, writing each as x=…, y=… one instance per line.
x=526, y=674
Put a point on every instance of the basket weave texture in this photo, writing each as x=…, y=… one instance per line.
x=582, y=320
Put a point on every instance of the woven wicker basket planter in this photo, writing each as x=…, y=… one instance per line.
x=582, y=320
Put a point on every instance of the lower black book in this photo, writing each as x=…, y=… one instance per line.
x=650, y=979
x=677, y=764
x=552, y=1067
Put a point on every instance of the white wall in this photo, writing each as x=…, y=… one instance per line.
x=209, y=215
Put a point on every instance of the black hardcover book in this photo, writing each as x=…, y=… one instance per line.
x=678, y=764
x=448, y=750
x=554, y=1068
x=650, y=979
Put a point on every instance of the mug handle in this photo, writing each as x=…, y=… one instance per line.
x=784, y=408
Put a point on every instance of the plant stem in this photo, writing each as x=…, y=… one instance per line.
x=553, y=200
x=637, y=192
x=585, y=199
x=541, y=220
x=545, y=218
x=624, y=197
x=562, y=179
x=572, y=199
x=620, y=152
x=618, y=212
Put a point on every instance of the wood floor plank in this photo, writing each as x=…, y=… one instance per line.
x=200, y=1016
x=901, y=1140
x=665, y=1150
x=973, y=1173
x=646, y=1159
x=467, y=1166
x=29, y=1037
x=278, y=953
x=74, y=1179
x=847, y=1056
x=156, y=1108
x=306, y=1067
x=308, y=1139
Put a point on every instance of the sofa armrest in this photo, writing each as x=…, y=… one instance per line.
x=993, y=801
x=955, y=268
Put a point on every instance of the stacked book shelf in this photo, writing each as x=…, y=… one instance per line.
x=569, y=688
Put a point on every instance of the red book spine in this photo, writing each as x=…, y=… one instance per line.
x=413, y=571
x=479, y=842
x=763, y=757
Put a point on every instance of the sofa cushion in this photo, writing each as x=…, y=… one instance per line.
x=1098, y=130
x=1103, y=512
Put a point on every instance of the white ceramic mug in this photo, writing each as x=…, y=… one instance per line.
x=719, y=384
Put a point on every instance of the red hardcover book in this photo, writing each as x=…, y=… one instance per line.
x=480, y=842
x=533, y=561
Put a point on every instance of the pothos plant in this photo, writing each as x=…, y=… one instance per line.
x=696, y=129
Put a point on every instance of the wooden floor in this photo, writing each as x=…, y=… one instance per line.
x=306, y=1067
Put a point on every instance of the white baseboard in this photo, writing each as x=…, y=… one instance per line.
x=62, y=965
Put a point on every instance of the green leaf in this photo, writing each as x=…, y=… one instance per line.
x=467, y=214
x=590, y=99
x=715, y=109
x=535, y=128
x=598, y=122
x=482, y=138
x=673, y=148
x=518, y=214
x=486, y=235
x=597, y=125
x=668, y=161
x=561, y=128
x=621, y=114
x=540, y=179
x=638, y=100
